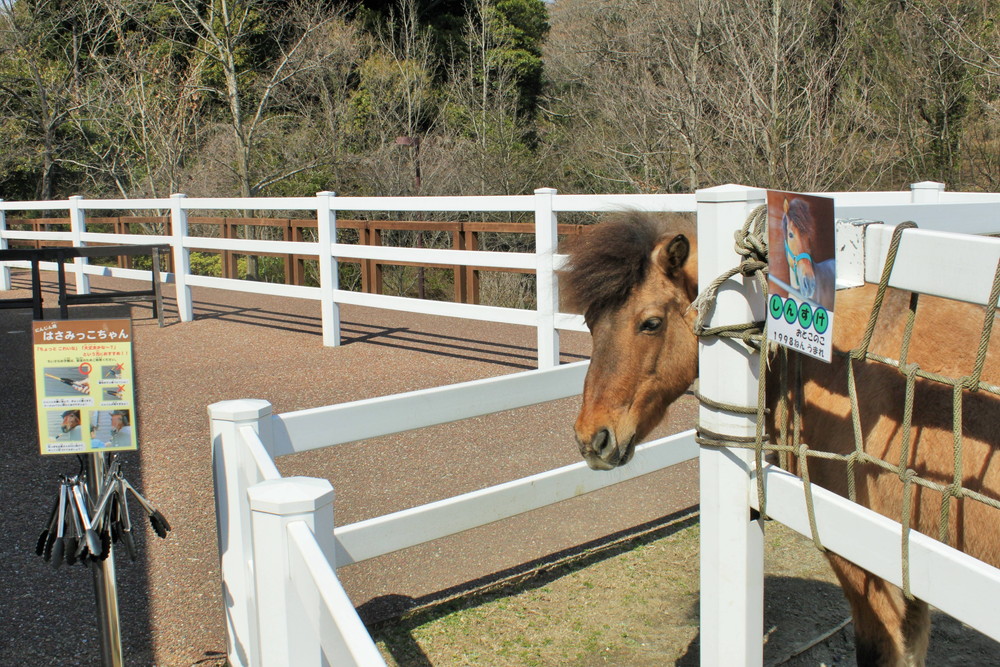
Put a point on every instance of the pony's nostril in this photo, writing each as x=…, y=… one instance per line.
x=602, y=443
x=808, y=286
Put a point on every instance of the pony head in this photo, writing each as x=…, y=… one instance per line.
x=797, y=227
x=634, y=277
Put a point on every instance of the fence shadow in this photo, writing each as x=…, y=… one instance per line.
x=465, y=348
x=392, y=618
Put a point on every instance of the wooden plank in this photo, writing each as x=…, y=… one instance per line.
x=414, y=225
x=343, y=636
x=953, y=266
x=964, y=218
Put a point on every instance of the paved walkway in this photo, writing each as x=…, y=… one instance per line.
x=251, y=346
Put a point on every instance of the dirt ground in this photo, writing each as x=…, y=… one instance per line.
x=635, y=603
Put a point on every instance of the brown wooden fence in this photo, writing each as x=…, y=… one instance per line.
x=462, y=235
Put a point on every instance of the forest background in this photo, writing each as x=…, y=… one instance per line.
x=144, y=98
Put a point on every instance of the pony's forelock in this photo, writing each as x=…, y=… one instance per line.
x=609, y=259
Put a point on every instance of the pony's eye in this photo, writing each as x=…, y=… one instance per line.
x=651, y=325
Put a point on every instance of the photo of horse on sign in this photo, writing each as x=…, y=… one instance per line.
x=801, y=238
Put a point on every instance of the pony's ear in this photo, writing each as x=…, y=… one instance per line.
x=670, y=255
x=673, y=256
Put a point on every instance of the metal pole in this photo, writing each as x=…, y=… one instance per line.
x=105, y=586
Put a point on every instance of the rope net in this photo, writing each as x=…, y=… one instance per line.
x=751, y=245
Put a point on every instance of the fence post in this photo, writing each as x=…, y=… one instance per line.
x=732, y=542
x=926, y=192
x=329, y=277
x=77, y=226
x=232, y=515
x=546, y=291
x=288, y=634
x=4, y=269
x=182, y=256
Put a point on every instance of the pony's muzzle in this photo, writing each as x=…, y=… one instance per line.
x=603, y=451
x=808, y=287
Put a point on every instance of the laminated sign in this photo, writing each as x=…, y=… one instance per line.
x=84, y=387
x=802, y=272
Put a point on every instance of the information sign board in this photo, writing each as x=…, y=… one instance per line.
x=84, y=388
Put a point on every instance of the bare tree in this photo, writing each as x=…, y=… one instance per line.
x=484, y=119
x=142, y=122
x=41, y=45
x=223, y=30
x=677, y=94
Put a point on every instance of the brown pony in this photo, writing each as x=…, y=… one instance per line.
x=635, y=278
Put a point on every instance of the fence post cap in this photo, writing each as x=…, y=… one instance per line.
x=545, y=191
x=245, y=409
x=326, y=193
x=729, y=193
x=290, y=495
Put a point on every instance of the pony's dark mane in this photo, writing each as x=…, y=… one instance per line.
x=607, y=260
x=801, y=217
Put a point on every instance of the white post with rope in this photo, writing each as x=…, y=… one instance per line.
x=732, y=541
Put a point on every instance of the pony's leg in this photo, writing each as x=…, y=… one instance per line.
x=889, y=630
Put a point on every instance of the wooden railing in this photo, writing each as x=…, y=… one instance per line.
x=462, y=236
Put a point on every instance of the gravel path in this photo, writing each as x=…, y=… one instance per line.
x=251, y=346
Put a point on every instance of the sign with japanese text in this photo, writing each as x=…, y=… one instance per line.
x=84, y=388
x=802, y=272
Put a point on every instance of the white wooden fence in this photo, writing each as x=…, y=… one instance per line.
x=545, y=203
x=278, y=546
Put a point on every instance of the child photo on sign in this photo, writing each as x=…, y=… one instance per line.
x=802, y=258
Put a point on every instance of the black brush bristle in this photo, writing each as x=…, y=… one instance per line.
x=159, y=523
x=42, y=539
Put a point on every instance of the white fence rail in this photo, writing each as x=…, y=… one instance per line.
x=731, y=542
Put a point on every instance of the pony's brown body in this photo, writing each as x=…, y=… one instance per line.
x=645, y=356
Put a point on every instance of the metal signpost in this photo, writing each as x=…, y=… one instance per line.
x=85, y=396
